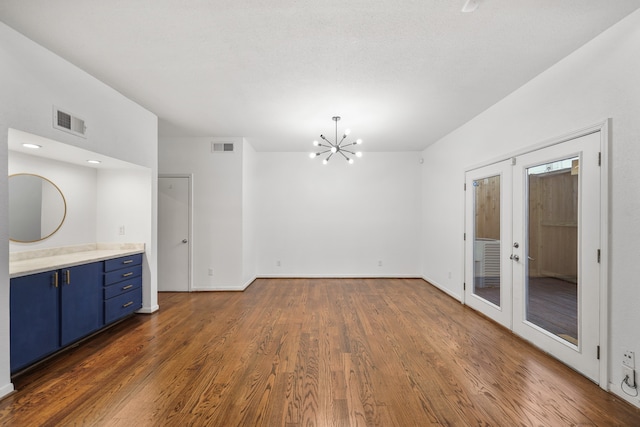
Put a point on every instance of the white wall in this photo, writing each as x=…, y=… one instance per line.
x=121, y=195
x=252, y=209
x=249, y=213
x=217, y=207
x=32, y=81
x=338, y=220
x=99, y=202
x=124, y=199
x=77, y=184
x=598, y=81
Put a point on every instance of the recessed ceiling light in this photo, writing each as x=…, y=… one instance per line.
x=94, y=162
x=34, y=146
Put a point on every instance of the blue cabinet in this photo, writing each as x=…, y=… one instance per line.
x=122, y=287
x=81, y=311
x=53, y=309
x=35, y=321
x=56, y=308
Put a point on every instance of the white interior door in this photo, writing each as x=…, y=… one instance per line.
x=487, y=241
x=174, y=233
x=546, y=204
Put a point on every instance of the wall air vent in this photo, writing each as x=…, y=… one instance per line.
x=222, y=147
x=67, y=122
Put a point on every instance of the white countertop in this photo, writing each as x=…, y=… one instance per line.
x=22, y=264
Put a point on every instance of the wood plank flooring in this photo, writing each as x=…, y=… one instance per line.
x=310, y=352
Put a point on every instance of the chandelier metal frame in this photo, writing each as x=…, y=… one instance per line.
x=336, y=147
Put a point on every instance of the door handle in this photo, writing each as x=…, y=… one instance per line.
x=514, y=257
x=184, y=240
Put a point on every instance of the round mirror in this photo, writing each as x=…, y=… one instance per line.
x=37, y=208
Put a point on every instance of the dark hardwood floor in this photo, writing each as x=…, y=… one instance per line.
x=302, y=352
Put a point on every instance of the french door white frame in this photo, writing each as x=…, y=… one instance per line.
x=502, y=312
x=605, y=139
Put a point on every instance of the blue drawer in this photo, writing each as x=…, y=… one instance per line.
x=122, y=305
x=122, y=262
x=122, y=274
x=122, y=287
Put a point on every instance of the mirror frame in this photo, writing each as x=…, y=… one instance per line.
x=64, y=202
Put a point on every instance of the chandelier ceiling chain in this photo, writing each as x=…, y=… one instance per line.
x=336, y=147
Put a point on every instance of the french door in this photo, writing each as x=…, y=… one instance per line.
x=532, y=248
x=488, y=240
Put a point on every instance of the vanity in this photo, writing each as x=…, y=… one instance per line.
x=60, y=296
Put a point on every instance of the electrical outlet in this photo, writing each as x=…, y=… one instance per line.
x=211, y=272
x=629, y=368
x=379, y=263
x=629, y=376
x=278, y=263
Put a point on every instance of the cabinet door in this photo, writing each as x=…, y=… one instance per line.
x=81, y=301
x=34, y=318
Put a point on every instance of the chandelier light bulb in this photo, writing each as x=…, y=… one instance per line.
x=340, y=146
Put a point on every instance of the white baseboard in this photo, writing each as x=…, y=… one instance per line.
x=6, y=389
x=222, y=289
x=249, y=282
x=338, y=276
x=149, y=310
x=617, y=390
x=443, y=289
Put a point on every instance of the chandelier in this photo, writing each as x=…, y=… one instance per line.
x=336, y=147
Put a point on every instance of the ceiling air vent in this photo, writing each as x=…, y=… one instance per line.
x=222, y=147
x=69, y=123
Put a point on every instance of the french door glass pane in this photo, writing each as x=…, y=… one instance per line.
x=552, y=263
x=486, y=249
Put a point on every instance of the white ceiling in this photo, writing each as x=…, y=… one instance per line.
x=401, y=73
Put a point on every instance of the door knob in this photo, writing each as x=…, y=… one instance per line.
x=514, y=257
x=184, y=240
